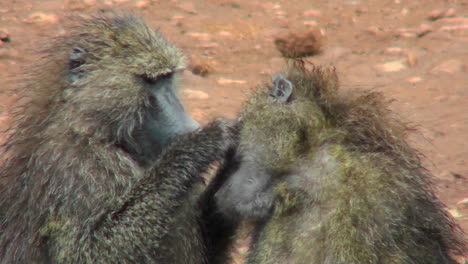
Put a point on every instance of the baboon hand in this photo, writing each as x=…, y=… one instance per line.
x=228, y=133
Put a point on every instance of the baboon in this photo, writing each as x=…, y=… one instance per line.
x=328, y=177
x=103, y=163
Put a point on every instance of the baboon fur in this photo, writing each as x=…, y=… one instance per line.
x=73, y=194
x=347, y=188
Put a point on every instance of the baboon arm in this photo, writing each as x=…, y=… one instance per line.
x=147, y=214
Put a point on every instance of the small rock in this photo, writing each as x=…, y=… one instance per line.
x=4, y=37
x=312, y=12
x=454, y=28
x=200, y=36
x=440, y=13
x=210, y=45
x=224, y=81
x=280, y=13
x=449, y=66
x=404, y=11
x=195, y=94
x=453, y=20
x=392, y=66
x=310, y=23
x=200, y=68
x=411, y=59
x=225, y=33
x=299, y=43
x=142, y=4
x=414, y=80
x=188, y=7
x=376, y=31
x=39, y=17
x=463, y=204
x=424, y=29
x=405, y=33
x=394, y=51
x=455, y=213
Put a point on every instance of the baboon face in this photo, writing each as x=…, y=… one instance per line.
x=248, y=191
x=274, y=132
x=121, y=81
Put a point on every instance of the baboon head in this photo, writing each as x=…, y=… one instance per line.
x=112, y=79
x=279, y=125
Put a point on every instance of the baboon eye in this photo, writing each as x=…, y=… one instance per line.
x=152, y=80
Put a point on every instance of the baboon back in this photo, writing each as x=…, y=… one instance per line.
x=329, y=178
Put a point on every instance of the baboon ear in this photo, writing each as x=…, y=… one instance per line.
x=77, y=57
x=282, y=89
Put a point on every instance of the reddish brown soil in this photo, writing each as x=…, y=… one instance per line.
x=233, y=41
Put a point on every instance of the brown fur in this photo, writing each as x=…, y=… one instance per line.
x=75, y=196
x=347, y=187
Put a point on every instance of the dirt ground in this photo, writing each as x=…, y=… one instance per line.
x=415, y=51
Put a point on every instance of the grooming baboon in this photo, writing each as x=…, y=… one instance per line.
x=330, y=179
x=103, y=163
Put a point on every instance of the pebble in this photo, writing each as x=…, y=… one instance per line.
x=280, y=13
x=462, y=20
x=376, y=31
x=414, y=80
x=310, y=23
x=424, y=29
x=454, y=28
x=225, y=33
x=455, y=213
x=392, y=66
x=224, y=81
x=312, y=12
x=200, y=36
x=394, y=51
x=200, y=68
x=39, y=17
x=4, y=36
x=440, y=13
x=404, y=11
x=195, y=94
x=210, y=45
x=142, y=4
x=411, y=59
x=462, y=204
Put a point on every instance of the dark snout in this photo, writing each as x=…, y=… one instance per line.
x=246, y=193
